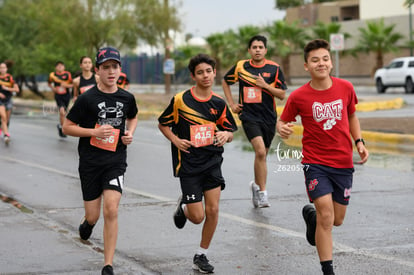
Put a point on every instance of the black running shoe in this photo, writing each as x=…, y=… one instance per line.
x=61, y=134
x=107, y=270
x=201, y=264
x=85, y=229
x=179, y=216
x=309, y=215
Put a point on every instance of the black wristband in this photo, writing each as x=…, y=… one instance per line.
x=359, y=140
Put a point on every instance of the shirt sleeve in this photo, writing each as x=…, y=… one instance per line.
x=133, y=110
x=231, y=76
x=168, y=117
x=290, y=111
x=280, y=80
x=77, y=112
x=352, y=102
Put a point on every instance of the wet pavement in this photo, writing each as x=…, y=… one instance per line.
x=39, y=236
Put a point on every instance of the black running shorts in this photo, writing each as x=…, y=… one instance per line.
x=256, y=129
x=98, y=178
x=321, y=180
x=193, y=187
x=62, y=100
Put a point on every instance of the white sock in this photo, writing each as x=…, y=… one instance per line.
x=183, y=206
x=201, y=251
x=263, y=192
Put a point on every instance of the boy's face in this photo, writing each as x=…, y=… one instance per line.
x=257, y=50
x=3, y=68
x=319, y=64
x=109, y=72
x=204, y=75
x=60, y=68
x=86, y=64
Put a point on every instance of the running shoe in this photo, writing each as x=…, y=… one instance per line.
x=6, y=139
x=61, y=134
x=201, y=264
x=179, y=216
x=309, y=215
x=263, y=200
x=255, y=194
x=85, y=229
x=107, y=270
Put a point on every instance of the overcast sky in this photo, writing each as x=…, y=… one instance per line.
x=204, y=17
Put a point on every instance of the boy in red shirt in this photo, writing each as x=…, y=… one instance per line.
x=326, y=106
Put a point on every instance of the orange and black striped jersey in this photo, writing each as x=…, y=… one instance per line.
x=122, y=80
x=57, y=79
x=184, y=111
x=8, y=81
x=258, y=104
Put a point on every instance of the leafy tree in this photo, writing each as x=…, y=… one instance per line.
x=324, y=30
x=285, y=39
x=284, y=4
x=378, y=38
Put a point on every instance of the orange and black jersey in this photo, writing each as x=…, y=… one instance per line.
x=245, y=72
x=8, y=81
x=57, y=79
x=122, y=80
x=185, y=110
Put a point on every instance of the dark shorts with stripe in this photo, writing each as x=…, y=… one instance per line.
x=193, y=187
x=256, y=129
x=96, y=179
x=321, y=180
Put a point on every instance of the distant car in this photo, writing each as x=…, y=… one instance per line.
x=399, y=73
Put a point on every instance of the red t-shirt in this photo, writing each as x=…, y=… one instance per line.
x=324, y=114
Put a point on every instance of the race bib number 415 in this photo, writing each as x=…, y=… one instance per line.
x=252, y=95
x=108, y=143
x=202, y=135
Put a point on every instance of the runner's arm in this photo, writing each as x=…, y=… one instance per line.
x=355, y=129
x=131, y=125
x=72, y=129
x=235, y=107
x=279, y=93
x=285, y=129
x=181, y=144
x=76, y=83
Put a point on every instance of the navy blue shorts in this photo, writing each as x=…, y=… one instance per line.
x=193, y=187
x=321, y=180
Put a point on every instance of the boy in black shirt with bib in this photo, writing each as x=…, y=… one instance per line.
x=105, y=118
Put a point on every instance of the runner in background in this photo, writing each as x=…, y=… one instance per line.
x=86, y=80
x=7, y=88
x=60, y=81
x=123, y=81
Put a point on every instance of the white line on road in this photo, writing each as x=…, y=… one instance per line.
x=338, y=246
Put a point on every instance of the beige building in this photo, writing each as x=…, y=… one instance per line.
x=352, y=14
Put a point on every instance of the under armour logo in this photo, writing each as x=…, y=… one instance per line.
x=191, y=197
x=105, y=110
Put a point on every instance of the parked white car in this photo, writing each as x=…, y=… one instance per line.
x=399, y=73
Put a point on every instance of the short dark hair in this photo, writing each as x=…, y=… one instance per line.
x=257, y=38
x=314, y=45
x=59, y=62
x=198, y=59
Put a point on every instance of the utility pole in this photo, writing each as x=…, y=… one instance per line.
x=167, y=46
x=411, y=26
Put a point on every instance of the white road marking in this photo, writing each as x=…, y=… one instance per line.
x=338, y=246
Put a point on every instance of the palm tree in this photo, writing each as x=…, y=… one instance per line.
x=285, y=39
x=324, y=30
x=378, y=38
x=217, y=43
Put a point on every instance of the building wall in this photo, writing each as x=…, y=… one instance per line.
x=370, y=9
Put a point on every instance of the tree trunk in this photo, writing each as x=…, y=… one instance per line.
x=286, y=68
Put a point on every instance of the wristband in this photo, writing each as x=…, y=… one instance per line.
x=359, y=140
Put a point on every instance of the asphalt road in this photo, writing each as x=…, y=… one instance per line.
x=39, y=170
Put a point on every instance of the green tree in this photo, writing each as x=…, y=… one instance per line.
x=285, y=4
x=378, y=38
x=218, y=43
x=285, y=39
x=324, y=30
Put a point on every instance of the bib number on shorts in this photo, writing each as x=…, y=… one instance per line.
x=108, y=143
x=252, y=95
x=202, y=135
